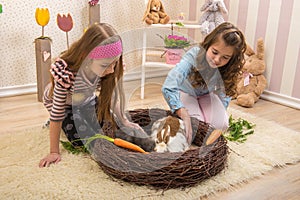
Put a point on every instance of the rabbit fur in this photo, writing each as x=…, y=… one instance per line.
x=169, y=135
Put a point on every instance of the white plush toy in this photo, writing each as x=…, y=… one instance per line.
x=212, y=15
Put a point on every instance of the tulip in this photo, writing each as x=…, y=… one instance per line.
x=65, y=23
x=42, y=17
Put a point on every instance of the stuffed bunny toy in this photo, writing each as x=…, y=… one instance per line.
x=169, y=135
x=155, y=13
x=212, y=15
x=252, y=82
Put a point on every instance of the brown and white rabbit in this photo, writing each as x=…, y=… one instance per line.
x=169, y=135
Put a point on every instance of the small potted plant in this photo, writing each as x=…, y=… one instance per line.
x=175, y=45
x=176, y=42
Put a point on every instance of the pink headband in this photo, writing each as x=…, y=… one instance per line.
x=106, y=51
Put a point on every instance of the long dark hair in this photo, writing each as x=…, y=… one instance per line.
x=232, y=36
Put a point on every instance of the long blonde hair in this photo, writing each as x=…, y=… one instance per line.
x=232, y=36
x=75, y=56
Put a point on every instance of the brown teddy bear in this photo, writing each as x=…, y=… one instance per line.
x=155, y=13
x=252, y=82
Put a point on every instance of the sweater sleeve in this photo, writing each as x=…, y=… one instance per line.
x=177, y=78
x=63, y=80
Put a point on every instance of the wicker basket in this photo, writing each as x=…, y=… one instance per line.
x=163, y=170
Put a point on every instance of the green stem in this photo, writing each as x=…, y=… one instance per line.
x=97, y=136
x=106, y=138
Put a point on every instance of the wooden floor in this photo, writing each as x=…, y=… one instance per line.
x=21, y=112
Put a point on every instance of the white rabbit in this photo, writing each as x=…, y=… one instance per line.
x=169, y=135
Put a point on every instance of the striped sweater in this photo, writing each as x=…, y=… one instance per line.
x=69, y=89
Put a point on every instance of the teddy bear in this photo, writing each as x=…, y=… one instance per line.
x=212, y=16
x=251, y=82
x=155, y=13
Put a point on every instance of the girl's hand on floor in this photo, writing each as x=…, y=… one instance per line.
x=49, y=159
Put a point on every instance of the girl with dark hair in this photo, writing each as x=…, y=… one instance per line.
x=202, y=83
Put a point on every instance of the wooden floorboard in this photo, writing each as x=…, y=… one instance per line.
x=22, y=112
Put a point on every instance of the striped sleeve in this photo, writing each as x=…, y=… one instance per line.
x=61, y=73
x=63, y=82
x=47, y=100
x=58, y=103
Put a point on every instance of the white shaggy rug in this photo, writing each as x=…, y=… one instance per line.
x=79, y=177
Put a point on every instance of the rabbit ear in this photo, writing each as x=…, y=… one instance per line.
x=249, y=51
x=149, y=5
x=162, y=8
x=147, y=10
x=166, y=134
x=260, y=48
x=159, y=136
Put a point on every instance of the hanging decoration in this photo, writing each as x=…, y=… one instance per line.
x=42, y=17
x=65, y=23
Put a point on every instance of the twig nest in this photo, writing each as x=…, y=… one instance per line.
x=163, y=170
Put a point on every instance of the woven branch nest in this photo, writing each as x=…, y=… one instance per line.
x=163, y=170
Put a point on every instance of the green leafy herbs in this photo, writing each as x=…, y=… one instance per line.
x=238, y=129
x=74, y=150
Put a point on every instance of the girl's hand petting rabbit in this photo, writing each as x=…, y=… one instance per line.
x=184, y=115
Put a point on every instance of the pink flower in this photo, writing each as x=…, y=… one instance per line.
x=175, y=41
x=93, y=2
x=176, y=37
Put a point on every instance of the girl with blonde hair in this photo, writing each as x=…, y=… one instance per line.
x=86, y=90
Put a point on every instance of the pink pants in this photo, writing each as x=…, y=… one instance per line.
x=207, y=108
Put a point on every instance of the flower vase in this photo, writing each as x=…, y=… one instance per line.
x=173, y=56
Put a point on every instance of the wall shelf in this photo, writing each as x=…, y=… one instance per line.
x=146, y=63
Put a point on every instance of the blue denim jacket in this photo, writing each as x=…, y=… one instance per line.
x=178, y=80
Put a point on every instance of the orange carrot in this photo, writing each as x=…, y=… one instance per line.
x=118, y=142
x=213, y=136
x=128, y=145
